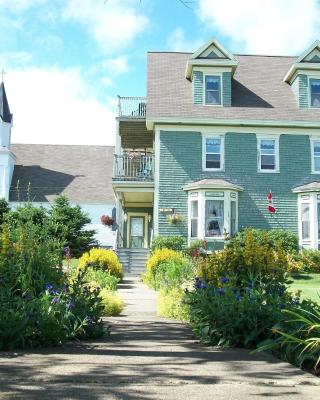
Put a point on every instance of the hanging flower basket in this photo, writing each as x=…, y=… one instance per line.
x=106, y=220
x=175, y=218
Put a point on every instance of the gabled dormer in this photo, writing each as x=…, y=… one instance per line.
x=210, y=69
x=304, y=77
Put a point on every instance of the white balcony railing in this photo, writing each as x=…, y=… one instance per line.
x=135, y=167
x=132, y=107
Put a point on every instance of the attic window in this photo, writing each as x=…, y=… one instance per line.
x=315, y=92
x=212, y=90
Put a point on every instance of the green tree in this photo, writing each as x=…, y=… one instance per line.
x=27, y=213
x=4, y=209
x=68, y=225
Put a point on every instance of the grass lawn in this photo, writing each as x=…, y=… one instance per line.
x=309, y=284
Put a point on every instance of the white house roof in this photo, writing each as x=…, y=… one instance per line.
x=310, y=187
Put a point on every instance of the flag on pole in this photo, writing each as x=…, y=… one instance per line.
x=271, y=207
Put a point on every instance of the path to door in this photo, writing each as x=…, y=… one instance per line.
x=149, y=358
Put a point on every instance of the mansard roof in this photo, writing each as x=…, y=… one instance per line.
x=5, y=114
x=258, y=92
x=82, y=173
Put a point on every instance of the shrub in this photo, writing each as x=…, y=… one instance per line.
x=246, y=262
x=101, y=278
x=36, y=306
x=173, y=273
x=106, y=260
x=275, y=239
x=171, y=304
x=168, y=242
x=227, y=316
x=310, y=260
x=198, y=248
x=157, y=258
x=112, y=302
x=298, y=335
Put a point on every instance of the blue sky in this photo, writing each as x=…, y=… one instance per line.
x=66, y=60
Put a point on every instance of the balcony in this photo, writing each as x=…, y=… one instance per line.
x=133, y=167
x=132, y=107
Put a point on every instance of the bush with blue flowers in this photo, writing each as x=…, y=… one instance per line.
x=39, y=304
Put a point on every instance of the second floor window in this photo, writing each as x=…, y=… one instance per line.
x=213, y=153
x=315, y=92
x=268, y=155
x=316, y=156
x=212, y=90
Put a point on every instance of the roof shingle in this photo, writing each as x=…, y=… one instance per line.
x=82, y=173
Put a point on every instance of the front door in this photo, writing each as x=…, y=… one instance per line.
x=137, y=232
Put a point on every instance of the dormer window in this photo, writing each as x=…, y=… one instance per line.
x=315, y=92
x=212, y=90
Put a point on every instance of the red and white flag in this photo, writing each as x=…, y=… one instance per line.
x=271, y=207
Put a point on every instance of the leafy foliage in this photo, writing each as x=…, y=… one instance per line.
x=4, y=209
x=112, y=302
x=298, y=335
x=229, y=316
x=102, y=259
x=168, y=242
x=275, y=239
x=37, y=305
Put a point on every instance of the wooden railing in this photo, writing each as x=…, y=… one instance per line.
x=132, y=107
x=133, y=167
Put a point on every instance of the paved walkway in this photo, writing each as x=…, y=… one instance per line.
x=149, y=358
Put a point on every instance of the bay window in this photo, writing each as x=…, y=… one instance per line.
x=212, y=214
x=309, y=219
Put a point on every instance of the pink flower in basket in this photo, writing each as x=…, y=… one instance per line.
x=106, y=220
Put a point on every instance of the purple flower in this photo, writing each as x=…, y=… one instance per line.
x=71, y=305
x=65, y=288
x=55, y=300
x=48, y=286
x=281, y=291
x=238, y=297
x=67, y=252
x=224, y=280
x=220, y=291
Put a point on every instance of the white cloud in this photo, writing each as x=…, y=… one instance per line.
x=177, y=41
x=57, y=106
x=106, y=81
x=118, y=65
x=113, y=24
x=264, y=26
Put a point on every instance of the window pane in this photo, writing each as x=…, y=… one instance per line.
x=194, y=228
x=194, y=209
x=213, y=161
x=214, y=218
x=213, y=145
x=267, y=162
x=315, y=85
x=233, y=218
x=316, y=148
x=212, y=83
x=267, y=147
x=212, y=97
x=315, y=99
x=305, y=218
x=317, y=163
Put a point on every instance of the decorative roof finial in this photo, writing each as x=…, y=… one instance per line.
x=3, y=72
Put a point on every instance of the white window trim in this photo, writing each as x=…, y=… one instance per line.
x=204, y=89
x=201, y=197
x=312, y=141
x=317, y=77
x=276, y=138
x=310, y=198
x=212, y=136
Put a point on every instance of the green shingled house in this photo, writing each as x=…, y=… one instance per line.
x=215, y=135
